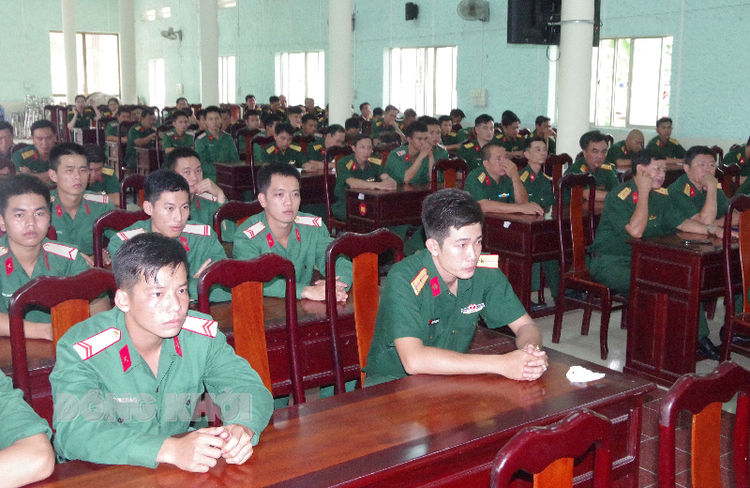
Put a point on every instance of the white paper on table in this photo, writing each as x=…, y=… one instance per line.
x=579, y=374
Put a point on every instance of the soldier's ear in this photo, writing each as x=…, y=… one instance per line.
x=122, y=300
x=2, y=224
x=432, y=246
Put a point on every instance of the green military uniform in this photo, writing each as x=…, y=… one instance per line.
x=212, y=150
x=109, y=407
x=112, y=129
x=306, y=248
x=471, y=152
x=55, y=259
x=688, y=200
x=663, y=150
x=171, y=139
x=416, y=302
x=511, y=144
x=347, y=167
x=19, y=419
x=316, y=151
x=551, y=144
x=605, y=175
x=399, y=160
x=439, y=152
x=83, y=121
x=203, y=206
x=200, y=243
x=481, y=186
x=107, y=183
x=378, y=129
x=737, y=156
x=137, y=131
x=744, y=188
x=28, y=157
x=618, y=151
x=453, y=137
x=79, y=230
x=293, y=155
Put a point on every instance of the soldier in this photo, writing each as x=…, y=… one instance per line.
x=353, y=127
x=282, y=150
x=226, y=119
x=250, y=104
x=143, y=366
x=471, y=151
x=281, y=229
x=113, y=108
x=102, y=179
x=6, y=148
x=142, y=135
x=215, y=145
x=696, y=194
x=449, y=137
x=112, y=129
x=410, y=116
x=25, y=250
x=594, y=147
x=309, y=125
x=621, y=152
x=510, y=139
x=384, y=130
x=663, y=146
x=433, y=137
x=294, y=117
x=364, y=111
x=741, y=157
x=83, y=115
x=35, y=159
x=316, y=151
x=543, y=129
x=178, y=135
x=167, y=202
x=433, y=301
x=412, y=164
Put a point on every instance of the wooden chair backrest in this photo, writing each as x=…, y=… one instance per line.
x=236, y=211
x=450, y=168
x=548, y=452
x=132, y=182
x=718, y=153
x=702, y=397
x=729, y=177
x=114, y=219
x=577, y=221
x=553, y=167
x=740, y=203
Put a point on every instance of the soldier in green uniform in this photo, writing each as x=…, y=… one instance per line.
x=471, y=151
x=101, y=179
x=26, y=454
x=365, y=112
x=309, y=127
x=178, y=135
x=594, y=147
x=641, y=208
x=294, y=117
x=433, y=301
x=621, y=152
x=274, y=107
x=282, y=150
x=412, y=163
x=83, y=115
x=696, y=194
x=353, y=128
x=434, y=138
x=359, y=171
x=316, y=150
x=384, y=130
x=449, y=137
x=112, y=129
x=543, y=130
x=142, y=367
x=741, y=157
x=142, y=135
x=215, y=145
x=510, y=139
x=663, y=146
x=282, y=230
x=74, y=210
x=35, y=159
x=26, y=252
x=167, y=202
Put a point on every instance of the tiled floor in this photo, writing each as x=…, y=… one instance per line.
x=587, y=347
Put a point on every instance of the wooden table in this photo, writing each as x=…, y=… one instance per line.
x=417, y=431
x=668, y=282
x=369, y=210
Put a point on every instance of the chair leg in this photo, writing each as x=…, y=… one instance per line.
x=604, y=327
x=624, y=317
x=586, y=316
x=710, y=308
x=542, y=283
x=559, y=311
x=726, y=340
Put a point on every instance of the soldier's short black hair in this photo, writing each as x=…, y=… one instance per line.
x=483, y=119
x=428, y=121
x=265, y=174
x=388, y=108
x=178, y=153
x=94, y=153
x=307, y=117
x=146, y=111
x=457, y=112
x=444, y=118
x=663, y=120
x=212, y=108
x=113, y=99
x=180, y=99
x=589, y=137
x=163, y=180
x=508, y=118
x=362, y=105
x=284, y=127
x=360, y=137
x=377, y=111
x=250, y=113
x=294, y=110
x=698, y=150
x=353, y=123
x=642, y=158
x=334, y=128
x=271, y=119
x=5, y=125
x=143, y=256
x=247, y=97
x=200, y=114
x=531, y=140
x=273, y=98
x=541, y=119
x=414, y=127
x=179, y=113
x=42, y=124
x=487, y=150
x=410, y=112
x=21, y=184
x=64, y=149
x=446, y=209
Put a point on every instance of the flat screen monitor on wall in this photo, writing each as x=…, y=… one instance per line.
x=538, y=22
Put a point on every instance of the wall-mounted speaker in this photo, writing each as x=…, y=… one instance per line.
x=411, y=10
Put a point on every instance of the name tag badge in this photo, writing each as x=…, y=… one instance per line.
x=361, y=196
x=433, y=322
x=473, y=308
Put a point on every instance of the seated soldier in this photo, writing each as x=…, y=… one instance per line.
x=101, y=179
x=510, y=139
x=449, y=137
x=83, y=115
x=353, y=127
x=457, y=116
x=696, y=194
x=200, y=122
x=35, y=159
x=226, y=119
x=26, y=454
x=543, y=130
x=178, y=136
x=205, y=196
x=6, y=143
x=252, y=121
x=282, y=230
x=365, y=114
x=497, y=187
x=250, y=104
x=26, y=251
x=141, y=135
x=294, y=117
x=270, y=121
x=412, y=163
x=741, y=157
x=316, y=151
x=359, y=171
x=309, y=126
x=112, y=129
x=274, y=107
x=594, y=147
x=471, y=151
x=113, y=108
x=167, y=202
x=641, y=208
x=74, y=210
x=433, y=301
x=385, y=129
x=182, y=104
x=663, y=146
x=433, y=138
x=410, y=116
x=215, y=145
x=282, y=150
x=621, y=152
x=157, y=383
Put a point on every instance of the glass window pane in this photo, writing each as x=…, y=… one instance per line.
x=156, y=88
x=665, y=86
x=621, y=84
x=594, y=77
x=644, y=94
x=80, y=65
x=102, y=64
x=605, y=81
x=57, y=64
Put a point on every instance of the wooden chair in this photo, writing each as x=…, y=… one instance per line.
x=610, y=139
x=524, y=132
x=245, y=279
x=729, y=177
x=449, y=168
x=114, y=219
x=553, y=167
x=261, y=141
x=736, y=322
x=363, y=250
x=578, y=230
x=132, y=183
x=702, y=396
x=244, y=143
x=333, y=154
x=549, y=452
x=236, y=211
x=303, y=142
x=123, y=129
x=384, y=149
x=719, y=154
x=68, y=299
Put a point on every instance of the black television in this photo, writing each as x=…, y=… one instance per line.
x=538, y=22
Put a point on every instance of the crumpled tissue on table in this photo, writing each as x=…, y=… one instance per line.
x=579, y=374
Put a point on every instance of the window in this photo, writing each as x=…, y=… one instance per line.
x=98, y=64
x=156, y=89
x=422, y=78
x=227, y=80
x=630, y=81
x=300, y=76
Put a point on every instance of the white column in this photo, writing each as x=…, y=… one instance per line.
x=209, y=29
x=68, y=9
x=574, y=73
x=128, y=93
x=339, y=60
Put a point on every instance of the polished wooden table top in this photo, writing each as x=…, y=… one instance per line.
x=397, y=427
x=368, y=210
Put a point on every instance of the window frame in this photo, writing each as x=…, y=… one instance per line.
x=279, y=82
x=82, y=63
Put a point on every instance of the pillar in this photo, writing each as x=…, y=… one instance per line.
x=209, y=52
x=128, y=94
x=339, y=61
x=68, y=10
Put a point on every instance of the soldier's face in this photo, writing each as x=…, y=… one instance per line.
x=295, y=120
x=335, y=140
x=283, y=140
x=657, y=170
x=169, y=213
x=281, y=199
x=72, y=174
x=511, y=130
x=595, y=154
x=390, y=116
x=664, y=130
x=417, y=141
x=181, y=104
x=113, y=106
x=148, y=121
x=543, y=129
x=124, y=117
x=433, y=131
x=213, y=121
x=485, y=132
x=363, y=150
x=634, y=142
x=309, y=127
x=701, y=166
x=6, y=140
x=253, y=122
x=494, y=164
x=44, y=140
x=26, y=220
x=536, y=153
x=445, y=127
x=95, y=172
x=458, y=255
x=157, y=306
x=190, y=168
x=181, y=124
x=366, y=111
